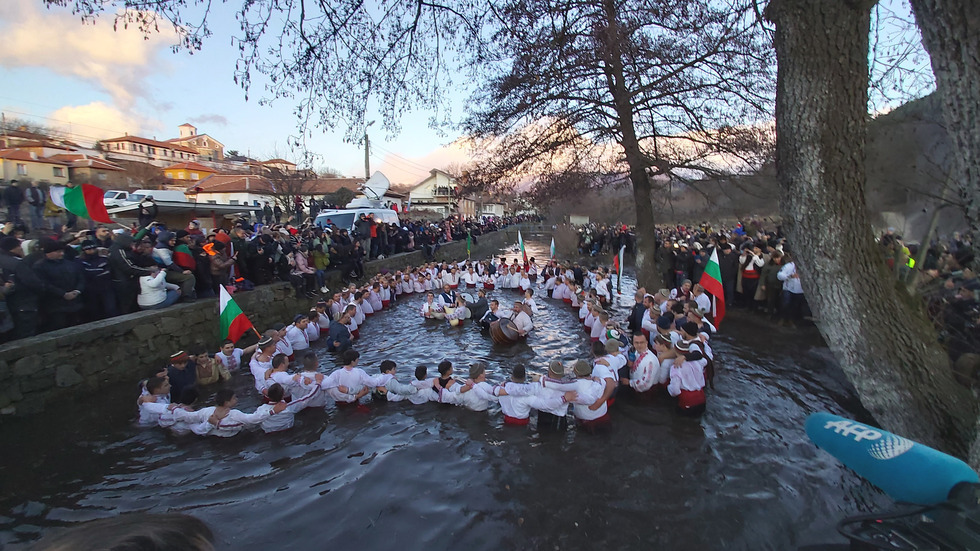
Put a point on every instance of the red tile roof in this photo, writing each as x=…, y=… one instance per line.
x=151, y=143
x=37, y=143
x=233, y=183
x=241, y=183
x=323, y=186
x=190, y=165
x=19, y=155
x=78, y=160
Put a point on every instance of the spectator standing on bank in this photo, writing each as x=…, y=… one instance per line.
x=148, y=211
x=13, y=196
x=35, y=202
x=64, y=283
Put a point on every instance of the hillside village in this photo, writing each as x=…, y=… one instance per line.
x=198, y=165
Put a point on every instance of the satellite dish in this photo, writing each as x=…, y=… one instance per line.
x=376, y=186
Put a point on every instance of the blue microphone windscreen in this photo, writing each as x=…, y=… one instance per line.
x=903, y=469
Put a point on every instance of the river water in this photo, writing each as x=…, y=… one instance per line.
x=744, y=476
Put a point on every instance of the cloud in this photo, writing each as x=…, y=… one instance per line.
x=117, y=61
x=95, y=121
x=219, y=120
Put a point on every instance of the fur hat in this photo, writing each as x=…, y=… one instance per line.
x=582, y=368
x=555, y=369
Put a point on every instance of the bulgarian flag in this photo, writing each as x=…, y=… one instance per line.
x=552, y=248
x=711, y=281
x=618, y=267
x=520, y=241
x=233, y=321
x=184, y=258
x=84, y=201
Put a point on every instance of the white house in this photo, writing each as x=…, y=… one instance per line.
x=145, y=150
x=439, y=192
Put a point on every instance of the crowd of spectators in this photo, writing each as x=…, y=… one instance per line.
x=64, y=278
x=758, y=274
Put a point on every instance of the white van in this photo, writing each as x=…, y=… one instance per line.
x=169, y=195
x=345, y=218
x=114, y=198
x=370, y=204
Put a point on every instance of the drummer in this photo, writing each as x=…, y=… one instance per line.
x=490, y=315
x=522, y=321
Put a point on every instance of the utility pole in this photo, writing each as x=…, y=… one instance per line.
x=367, y=157
x=367, y=152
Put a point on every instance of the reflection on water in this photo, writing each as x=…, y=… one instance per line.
x=742, y=477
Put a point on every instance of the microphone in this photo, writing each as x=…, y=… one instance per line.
x=903, y=469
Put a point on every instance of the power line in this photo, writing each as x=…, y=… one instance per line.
x=398, y=165
x=408, y=161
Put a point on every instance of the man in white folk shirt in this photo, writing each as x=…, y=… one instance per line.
x=641, y=377
x=521, y=320
x=296, y=334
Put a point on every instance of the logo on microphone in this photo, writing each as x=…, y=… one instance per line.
x=890, y=447
x=856, y=430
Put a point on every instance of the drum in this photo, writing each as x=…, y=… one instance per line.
x=468, y=298
x=504, y=332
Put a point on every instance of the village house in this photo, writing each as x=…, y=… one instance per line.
x=207, y=148
x=439, y=192
x=145, y=150
x=188, y=171
x=84, y=169
x=25, y=166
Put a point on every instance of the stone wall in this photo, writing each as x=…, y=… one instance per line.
x=82, y=359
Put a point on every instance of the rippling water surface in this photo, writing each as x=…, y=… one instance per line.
x=744, y=476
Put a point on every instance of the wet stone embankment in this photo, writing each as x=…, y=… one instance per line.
x=84, y=358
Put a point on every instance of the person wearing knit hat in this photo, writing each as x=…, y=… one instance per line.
x=64, y=283
x=182, y=373
x=9, y=243
x=23, y=303
x=163, y=254
x=588, y=392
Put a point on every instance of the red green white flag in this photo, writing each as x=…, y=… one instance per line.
x=184, y=258
x=84, y=201
x=520, y=240
x=711, y=281
x=233, y=320
x=618, y=262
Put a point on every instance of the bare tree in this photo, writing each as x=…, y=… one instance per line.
x=889, y=349
x=949, y=33
x=602, y=92
x=333, y=58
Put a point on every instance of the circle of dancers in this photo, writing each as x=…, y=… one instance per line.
x=662, y=351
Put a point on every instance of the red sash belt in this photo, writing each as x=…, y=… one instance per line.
x=605, y=419
x=508, y=420
x=690, y=398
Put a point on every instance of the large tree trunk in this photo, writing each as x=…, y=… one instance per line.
x=950, y=35
x=886, y=346
x=647, y=273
